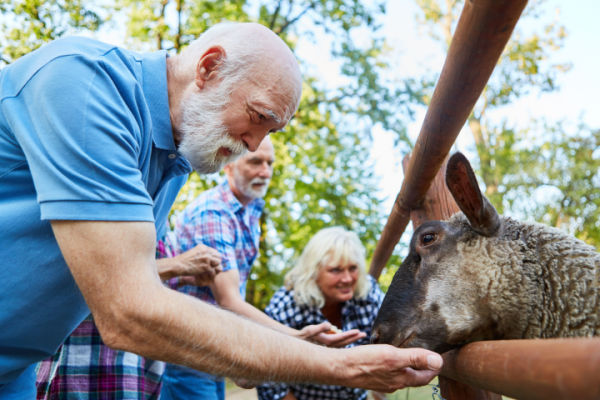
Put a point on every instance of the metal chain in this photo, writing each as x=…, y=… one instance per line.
x=436, y=394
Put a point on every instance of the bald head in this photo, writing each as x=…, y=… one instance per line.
x=228, y=90
x=252, y=52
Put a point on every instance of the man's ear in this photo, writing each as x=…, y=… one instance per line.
x=208, y=65
x=227, y=169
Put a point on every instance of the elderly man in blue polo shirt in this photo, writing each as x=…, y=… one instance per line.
x=95, y=142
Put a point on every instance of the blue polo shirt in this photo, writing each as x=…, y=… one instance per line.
x=85, y=134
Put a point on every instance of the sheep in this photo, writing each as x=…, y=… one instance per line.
x=482, y=276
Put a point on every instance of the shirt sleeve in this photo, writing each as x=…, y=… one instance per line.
x=213, y=228
x=78, y=125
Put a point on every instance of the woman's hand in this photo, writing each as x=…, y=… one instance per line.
x=319, y=334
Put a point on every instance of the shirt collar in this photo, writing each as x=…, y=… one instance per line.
x=154, y=68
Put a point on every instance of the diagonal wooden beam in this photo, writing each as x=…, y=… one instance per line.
x=483, y=30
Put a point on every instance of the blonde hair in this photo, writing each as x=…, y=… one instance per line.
x=329, y=246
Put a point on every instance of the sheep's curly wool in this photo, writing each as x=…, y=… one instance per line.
x=540, y=281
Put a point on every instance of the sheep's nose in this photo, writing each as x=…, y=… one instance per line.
x=375, y=336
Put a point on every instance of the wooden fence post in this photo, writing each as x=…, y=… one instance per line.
x=530, y=369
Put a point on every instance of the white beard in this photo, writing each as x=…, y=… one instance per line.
x=247, y=190
x=203, y=132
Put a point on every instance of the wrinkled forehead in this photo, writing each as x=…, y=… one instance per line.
x=275, y=101
x=278, y=86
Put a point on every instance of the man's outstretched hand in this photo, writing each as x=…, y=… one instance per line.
x=385, y=368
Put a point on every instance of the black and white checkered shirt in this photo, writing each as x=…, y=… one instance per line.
x=356, y=314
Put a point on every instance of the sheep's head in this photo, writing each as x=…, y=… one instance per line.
x=428, y=305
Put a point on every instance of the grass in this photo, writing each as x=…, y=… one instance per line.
x=421, y=393
x=416, y=393
x=413, y=393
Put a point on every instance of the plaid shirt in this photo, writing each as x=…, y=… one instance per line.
x=217, y=219
x=356, y=314
x=84, y=368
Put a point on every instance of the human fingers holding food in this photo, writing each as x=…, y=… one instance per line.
x=336, y=337
x=330, y=335
x=196, y=266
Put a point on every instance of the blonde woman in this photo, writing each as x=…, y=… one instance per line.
x=328, y=283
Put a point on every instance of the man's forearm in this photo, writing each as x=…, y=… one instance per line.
x=207, y=338
x=166, y=325
x=168, y=268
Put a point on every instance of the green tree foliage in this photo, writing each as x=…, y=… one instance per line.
x=521, y=162
x=27, y=24
x=171, y=25
x=564, y=180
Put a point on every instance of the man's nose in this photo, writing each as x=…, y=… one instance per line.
x=254, y=137
x=266, y=170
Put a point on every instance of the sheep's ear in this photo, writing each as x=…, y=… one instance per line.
x=462, y=183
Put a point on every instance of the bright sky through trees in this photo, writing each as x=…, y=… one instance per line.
x=578, y=96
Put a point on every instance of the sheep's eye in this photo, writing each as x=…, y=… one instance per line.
x=428, y=238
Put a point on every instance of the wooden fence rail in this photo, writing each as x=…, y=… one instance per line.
x=532, y=369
